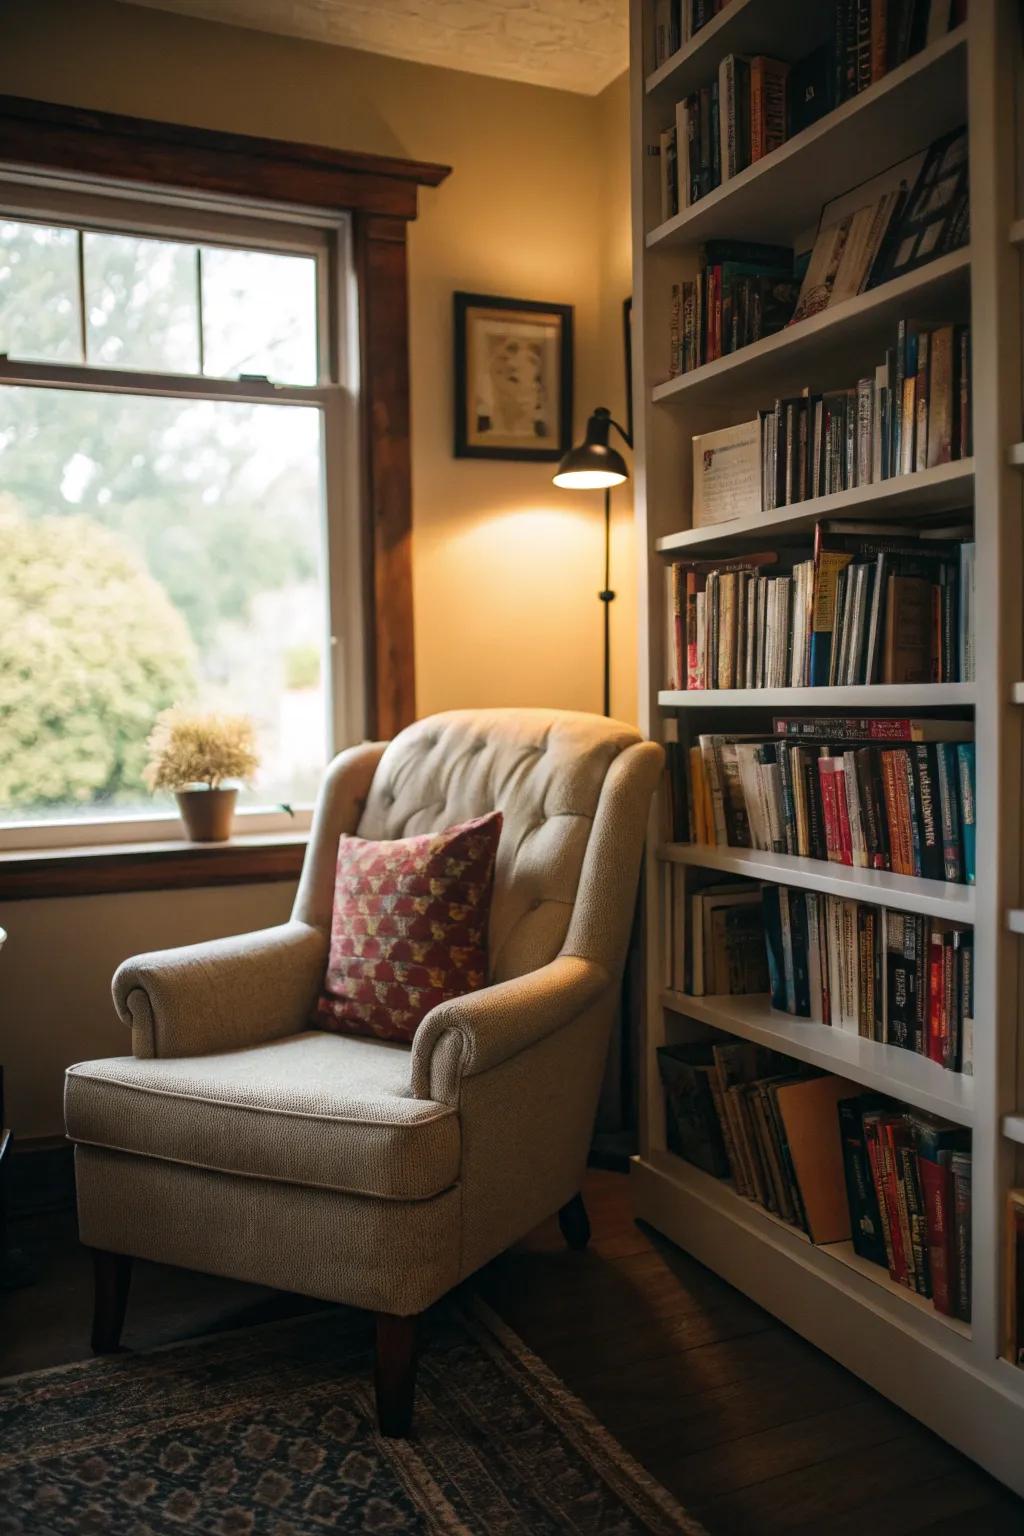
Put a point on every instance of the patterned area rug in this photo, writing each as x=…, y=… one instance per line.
x=270, y=1432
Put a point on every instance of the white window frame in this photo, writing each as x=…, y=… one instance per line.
x=327, y=237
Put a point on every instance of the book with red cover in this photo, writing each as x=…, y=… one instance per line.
x=936, y=1141
x=855, y=728
x=883, y=1168
x=830, y=808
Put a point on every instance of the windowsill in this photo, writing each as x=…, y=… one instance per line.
x=110, y=868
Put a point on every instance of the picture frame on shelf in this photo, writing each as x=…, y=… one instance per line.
x=513, y=378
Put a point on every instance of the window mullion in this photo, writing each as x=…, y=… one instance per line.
x=83, y=326
x=199, y=310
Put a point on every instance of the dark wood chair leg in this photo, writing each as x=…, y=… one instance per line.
x=112, y=1273
x=394, y=1374
x=575, y=1223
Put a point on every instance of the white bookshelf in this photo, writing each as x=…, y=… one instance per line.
x=785, y=190
x=949, y=1375
x=933, y=898
x=825, y=701
x=945, y=488
x=852, y=332
x=884, y=1068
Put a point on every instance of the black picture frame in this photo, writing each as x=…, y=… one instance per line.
x=470, y=436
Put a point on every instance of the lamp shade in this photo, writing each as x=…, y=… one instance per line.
x=592, y=465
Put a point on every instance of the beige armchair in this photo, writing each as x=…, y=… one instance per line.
x=239, y=1141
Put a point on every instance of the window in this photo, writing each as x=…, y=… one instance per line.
x=172, y=459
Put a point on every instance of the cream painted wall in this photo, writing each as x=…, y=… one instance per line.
x=55, y=971
x=506, y=567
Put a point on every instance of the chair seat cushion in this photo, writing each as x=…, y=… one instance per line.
x=409, y=927
x=318, y=1109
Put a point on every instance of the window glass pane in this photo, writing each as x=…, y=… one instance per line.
x=155, y=552
x=259, y=315
x=141, y=304
x=39, y=292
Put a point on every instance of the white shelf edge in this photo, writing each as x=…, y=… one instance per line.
x=844, y=314
x=834, y=1262
x=901, y=492
x=909, y=696
x=906, y=893
x=884, y=1068
x=1015, y=454
x=1018, y=693
x=1015, y=919
x=1013, y=1128
x=776, y=162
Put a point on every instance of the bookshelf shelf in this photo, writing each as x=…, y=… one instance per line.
x=1013, y=1128
x=941, y=489
x=933, y=898
x=950, y=1376
x=846, y=336
x=784, y=191
x=835, y=1263
x=906, y=696
x=744, y=26
x=882, y=1068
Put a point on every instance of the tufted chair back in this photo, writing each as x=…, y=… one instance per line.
x=545, y=770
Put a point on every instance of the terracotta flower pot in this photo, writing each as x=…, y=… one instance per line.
x=207, y=813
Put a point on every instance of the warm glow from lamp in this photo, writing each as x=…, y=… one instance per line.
x=588, y=479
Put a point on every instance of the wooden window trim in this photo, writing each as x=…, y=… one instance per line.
x=379, y=193
x=114, y=868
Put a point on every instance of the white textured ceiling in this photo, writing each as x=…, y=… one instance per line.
x=573, y=45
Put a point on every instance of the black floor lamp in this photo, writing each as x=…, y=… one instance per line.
x=595, y=466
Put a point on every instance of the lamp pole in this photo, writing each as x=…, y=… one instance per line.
x=607, y=597
x=595, y=465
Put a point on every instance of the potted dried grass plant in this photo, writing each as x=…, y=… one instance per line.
x=196, y=755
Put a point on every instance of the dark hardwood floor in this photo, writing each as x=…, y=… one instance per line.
x=754, y=1430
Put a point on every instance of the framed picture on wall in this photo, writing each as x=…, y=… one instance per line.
x=513, y=378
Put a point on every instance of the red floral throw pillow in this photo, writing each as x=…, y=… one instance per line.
x=409, y=928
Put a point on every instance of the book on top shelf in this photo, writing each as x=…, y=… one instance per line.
x=749, y=106
x=676, y=22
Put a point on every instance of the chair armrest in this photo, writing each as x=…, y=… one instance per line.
x=222, y=994
x=471, y=1034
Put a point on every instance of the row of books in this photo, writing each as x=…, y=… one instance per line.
x=914, y=413
x=745, y=290
x=871, y=37
x=893, y=977
x=721, y=129
x=841, y=1165
x=846, y=799
x=675, y=22
x=753, y=104
x=867, y=606
x=908, y=1181
x=886, y=976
